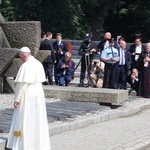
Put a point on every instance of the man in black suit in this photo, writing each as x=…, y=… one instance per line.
x=122, y=67
x=135, y=50
x=50, y=60
x=60, y=48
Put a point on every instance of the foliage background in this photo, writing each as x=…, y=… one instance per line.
x=74, y=18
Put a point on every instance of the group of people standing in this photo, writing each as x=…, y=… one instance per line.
x=60, y=60
x=132, y=66
x=110, y=64
x=120, y=65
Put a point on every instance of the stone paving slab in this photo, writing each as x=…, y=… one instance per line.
x=56, y=111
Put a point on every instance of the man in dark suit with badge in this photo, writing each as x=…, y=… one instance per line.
x=60, y=48
x=122, y=67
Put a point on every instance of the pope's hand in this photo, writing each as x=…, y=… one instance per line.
x=16, y=104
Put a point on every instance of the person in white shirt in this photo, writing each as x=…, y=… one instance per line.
x=29, y=128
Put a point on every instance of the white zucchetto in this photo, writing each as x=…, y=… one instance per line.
x=25, y=50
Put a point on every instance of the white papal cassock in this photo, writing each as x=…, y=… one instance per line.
x=29, y=128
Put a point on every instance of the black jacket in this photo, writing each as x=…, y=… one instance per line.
x=47, y=45
x=64, y=48
x=132, y=50
x=86, y=48
x=100, y=46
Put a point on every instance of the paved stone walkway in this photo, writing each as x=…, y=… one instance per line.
x=56, y=110
x=127, y=133
x=93, y=127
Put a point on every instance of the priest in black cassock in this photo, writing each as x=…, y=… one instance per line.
x=144, y=73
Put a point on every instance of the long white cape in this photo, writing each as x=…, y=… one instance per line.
x=30, y=118
x=31, y=71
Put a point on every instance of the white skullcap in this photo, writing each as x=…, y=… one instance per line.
x=25, y=50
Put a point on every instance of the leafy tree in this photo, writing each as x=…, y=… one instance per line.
x=73, y=18
x=97, y=11
x=7, y=10
x=131, y=19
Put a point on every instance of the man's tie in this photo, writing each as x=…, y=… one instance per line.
x=112, y=52
x=122, y=58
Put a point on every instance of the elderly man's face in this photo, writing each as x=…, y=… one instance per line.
x=24, y=56
x=123, y=44
x=107, y=35
x=21, y=55
x=67, y=58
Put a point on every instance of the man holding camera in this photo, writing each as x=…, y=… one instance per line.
x=97, y=73
x=65, y=68
x=87, y=51
x=134, y=81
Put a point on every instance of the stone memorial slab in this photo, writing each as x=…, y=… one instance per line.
x=6, y=56
x=97, y=95
x=23, y=33
x=14, y=67
x=3, y=40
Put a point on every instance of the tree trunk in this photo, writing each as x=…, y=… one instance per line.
x=98, y=21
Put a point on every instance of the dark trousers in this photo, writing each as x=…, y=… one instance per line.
x=55, y=73
x=48, y=67
x=65, y=79
x=109, y=75
x=83, y=71
x=120, y=78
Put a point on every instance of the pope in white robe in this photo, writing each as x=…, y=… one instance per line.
x=29, y=128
